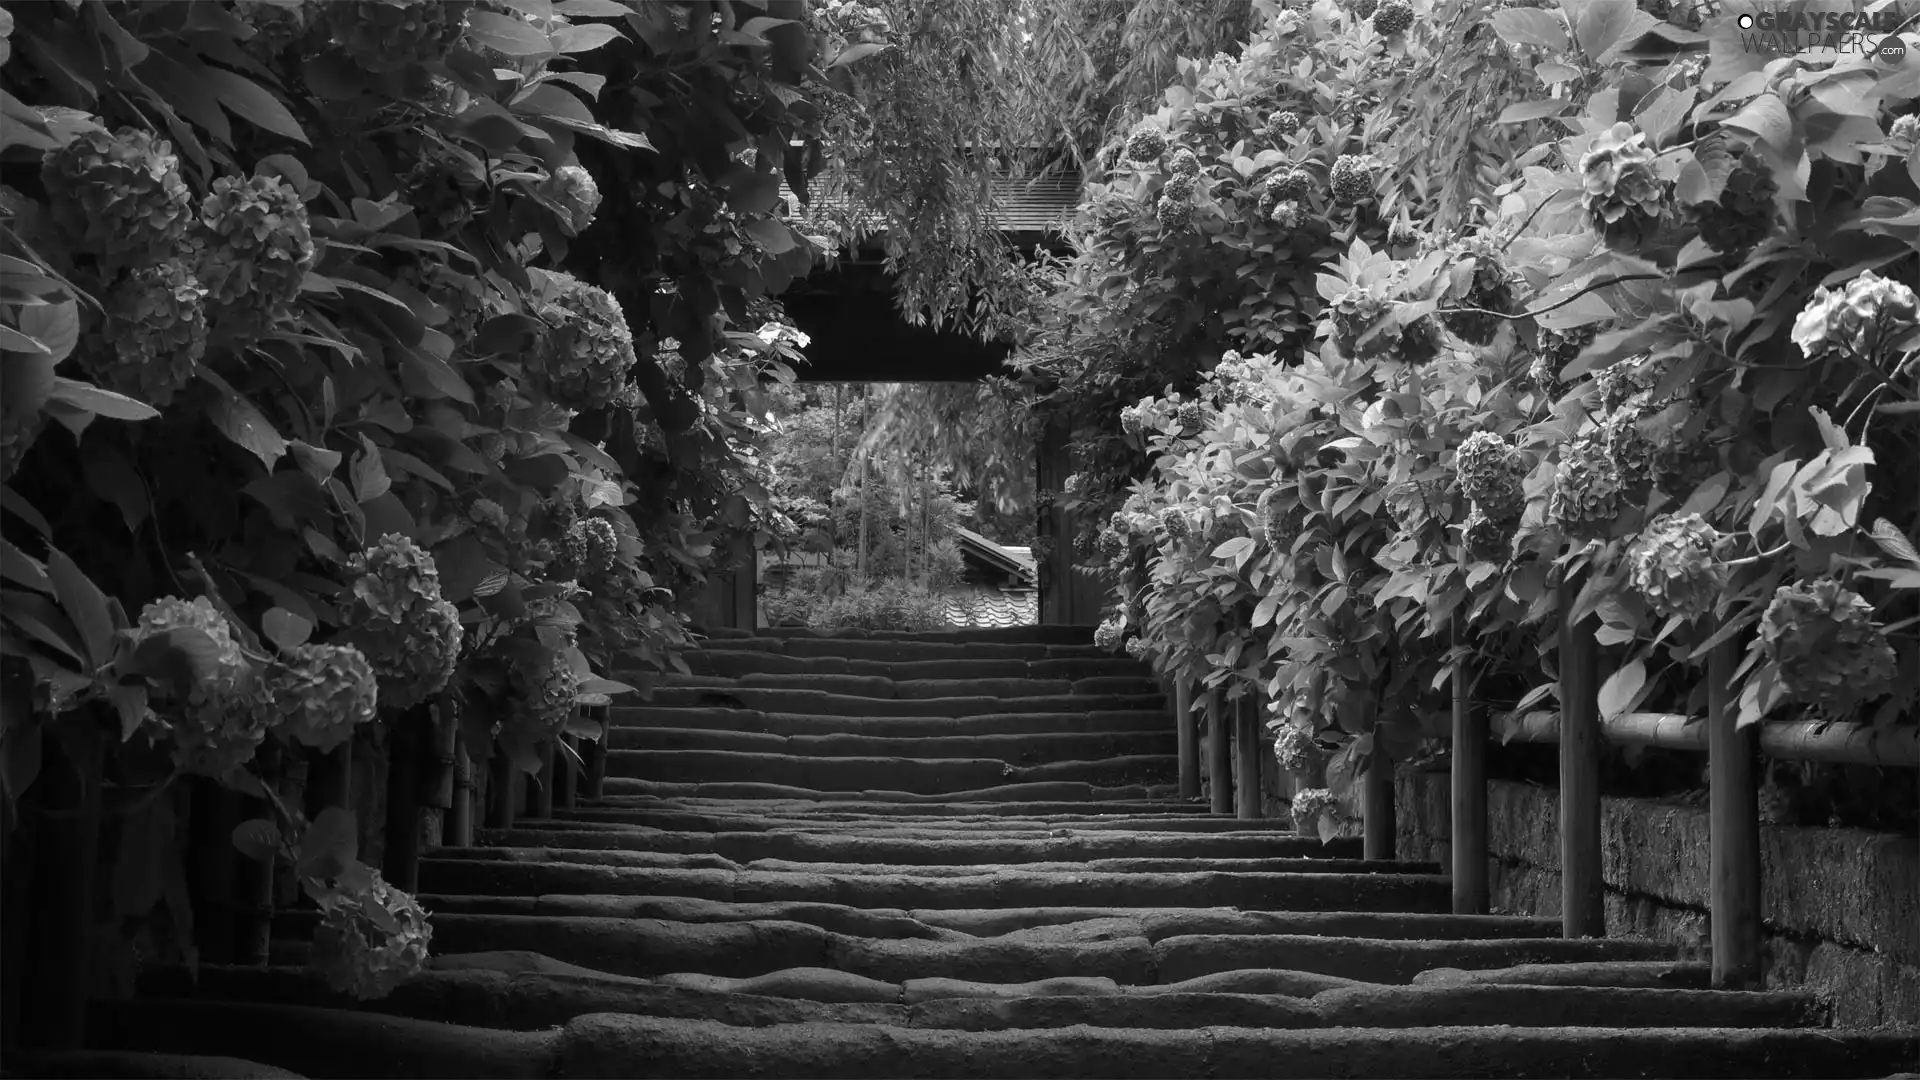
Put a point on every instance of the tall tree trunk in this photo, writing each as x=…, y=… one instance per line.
x=926, y=528
x=839, y=469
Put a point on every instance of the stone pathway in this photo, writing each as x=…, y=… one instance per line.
x=962, y=855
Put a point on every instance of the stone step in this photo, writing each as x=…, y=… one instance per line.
x=949, y=850
x=873, y=649
x=324, y=1042
x=1069, y=924
x=1621, y=974
x=667, y=860
x=1023, y=749
x=1002, y=889
x=880, y=687
x=722, y=693
x=978, y=725
x=906, y=817
x=1014, y=791
x=651, y=948
x=914, y=775
x=734, y=663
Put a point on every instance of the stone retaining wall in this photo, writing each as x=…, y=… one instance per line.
x=1841, y=906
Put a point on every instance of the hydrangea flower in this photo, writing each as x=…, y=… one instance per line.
x=1673, y=566
x=371, y=938
x=118, y=195
x=1620, y=191
x=398, y=620
x=1829, y=649
x=1868, y=312
x=220, y=724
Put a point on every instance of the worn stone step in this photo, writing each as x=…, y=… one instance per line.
x=724, y=815
x=722, y=693
x=733, y=663
x=653, y=947
x=879, y=687
x=1089, y=924
x=1004, y=889
x=322, y=1042
x=948, y=850
x=1621, y=974
x=1038, y=790
x=1023, y=749
x=872, y=649
x=978, y=725
x=711, y=861
x=919, y=776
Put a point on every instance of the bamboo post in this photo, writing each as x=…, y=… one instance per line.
x=502, y=807
x=1376, y=807
x=1187, y=727
x=1733, y=839
x=1246, y=739
x=540, y=804
x=565, y=776
x=1219, y=754
x=1582, y=903
x=1468, y=829
x=401, y=863
x=442, y=788
x=459, y=824
x=68, y=854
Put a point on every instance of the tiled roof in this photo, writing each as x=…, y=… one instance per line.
x=1021, y=205
x=985, y=550
x=994, y=609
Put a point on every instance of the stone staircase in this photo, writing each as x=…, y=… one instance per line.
x=959, y=855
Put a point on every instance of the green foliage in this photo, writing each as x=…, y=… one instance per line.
x=1590, y=402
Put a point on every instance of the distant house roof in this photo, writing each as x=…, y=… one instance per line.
x=1022, y=205
x=979, y=549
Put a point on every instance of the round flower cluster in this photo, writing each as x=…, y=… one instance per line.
x=1287, y=185
x=1906, y=129
x=1137, y=648
x=398, y=620
x=1485, y=537
x=1287, y=214
x=1673, y=567
x=591, y=545
x=1351, y=179
x=589, y=348
x=543, y=686
x=396, y=35
x=1282, y=125
x=572, y=190
x=1107, y=634
x=1627, y=443
x=1175, y=523
x=1185, y=163
x=1829, y=650
x=1744, y=213
x=254, y=249
x=1357, y=311
x=119, y=196
x=1556, y=350
x=1295, y=749
x=1586, y=487
x=1869, y=312
x=219, y=725
x=1621, y=383
x=1392, y=17
x=1111, y=544
x=1311, y=804
x=1490, y=475
x=1620, y=191
x=1490, y=290
x=1278, y=523
x=1173, y=213
x=1145, y=144
x=154, y=334
x=370, y=939
x=321, y=693
x=1191, y=416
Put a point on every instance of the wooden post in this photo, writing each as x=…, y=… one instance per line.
x=502, y=805
x=1733, y=841
x=594, y=756
x=1468, y=830
x=401, y=862
x=68, y=855
x=1246, y=739
x=566, y=776
x=1376, y=807
x=1187, y=727
x=1582, y=901
x=1219, y=753
x=459, y=826
x=442, y=789
x=540, y=806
